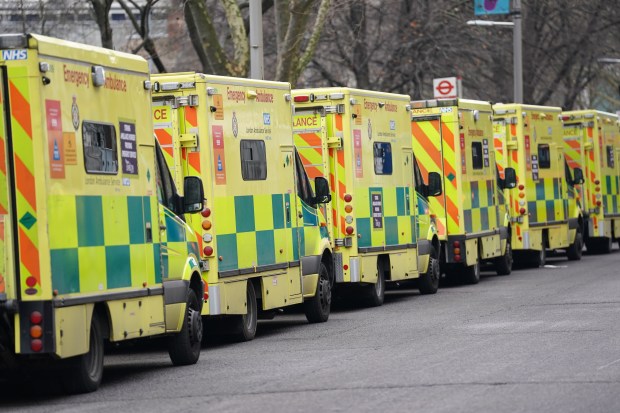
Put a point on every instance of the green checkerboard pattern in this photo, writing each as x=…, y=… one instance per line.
x=256, y=230
x=396, y=220
x=548, y=205
x=103, y=243
x=480, y=213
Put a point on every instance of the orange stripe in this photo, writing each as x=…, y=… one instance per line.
x=190, y=116
x=573, y=143
x=312, y=171
x=194, y=160
x=342, y=225
x=447, y=135
x=453, y=210
x=589, y=130
x=513, y=129
x=312, y=139
x=448, y=169
x=338, y=122
x=163, y=137
x=25, y=182
x=515, y=157
x=29, y=255
x=427, y=144
x=340, y=155
x=2, y=157
x=20, y=109
x=441, y=229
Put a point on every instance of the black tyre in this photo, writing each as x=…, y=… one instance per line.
x=538, y=258
x=503, y=264
x=244, y=326
x=471, y=275
x=83, y=374
x=184, y=347
x=429, y=281
x=374, y=294
x=318, y=307
x=575, y=250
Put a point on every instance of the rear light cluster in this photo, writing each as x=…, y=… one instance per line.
x=456, y=250
x=598, y=190
x=207, y=237
x=348, y=208
x=36, y=331
x=522, y=209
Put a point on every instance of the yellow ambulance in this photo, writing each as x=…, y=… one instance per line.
x=360, y=140
x=543, y=208
x=92, y=241
x=454, y=137
x=592, y=143
x=263, y=241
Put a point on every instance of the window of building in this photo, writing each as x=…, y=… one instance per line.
x=476, y=155
x=383, y=158
x=544, y=157
x=100, y=148
x=253, y=160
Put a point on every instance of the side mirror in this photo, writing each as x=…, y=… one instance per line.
x=510, y=178
x=434, y=184
x=321, y=187
x=193, y=200
x=578, y=173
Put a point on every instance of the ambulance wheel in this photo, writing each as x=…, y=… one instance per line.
x=184, y=347
x=574, y=251
x=471, y=275
x=375, y=293
x=503, y=264
x=83, y=373
x=244, y=326
x=429, y=281
x=318, y=307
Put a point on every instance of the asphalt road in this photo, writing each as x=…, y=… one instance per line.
x=545, y=340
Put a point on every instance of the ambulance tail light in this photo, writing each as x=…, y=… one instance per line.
x=206, y=225
x=456, y=244
x=348, y=209
x=597, y=182
x=522, y=211
x=566, y=117
x=348, y=198
x=36, y=331
x=457, y=258
x=208, y=251
x=206, y=213
x=349, y=230
x=521, y=187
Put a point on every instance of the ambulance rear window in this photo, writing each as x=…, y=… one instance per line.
x=253, y=160
x=383, y=158
x=544, y=157
x=476, y=155
x=100, y=154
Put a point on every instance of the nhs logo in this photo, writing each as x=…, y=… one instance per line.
x=15, y=54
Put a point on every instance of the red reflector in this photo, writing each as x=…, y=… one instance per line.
x=348, y=198
x=36, y=317
x=36, y=345
x=597, y=182
x=521, y=187
x=206, y=213
x=457, y=258
x=206, y=295
x=565, y=117
x=522, y=211
x=208, y=251
x=31, y=282
x=456, y=244
x=598, y=203
x=301, y=98
x=349, y=230
x=346, y=267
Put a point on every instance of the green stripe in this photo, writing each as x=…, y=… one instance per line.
x=363, y=230
x=244, y=213
x=227, y=249
x=265, y=245
x=137, y=225
x=277, y=205
x=391, y=230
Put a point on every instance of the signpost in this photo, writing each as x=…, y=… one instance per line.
x=447, y=87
